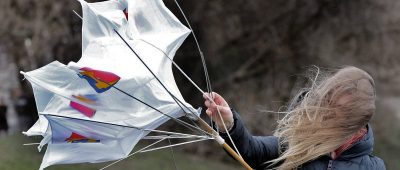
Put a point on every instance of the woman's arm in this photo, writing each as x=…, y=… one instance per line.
x=255, y=150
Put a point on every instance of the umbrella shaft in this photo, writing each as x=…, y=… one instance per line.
x=228, y=148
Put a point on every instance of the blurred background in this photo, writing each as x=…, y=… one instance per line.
x=256, y=52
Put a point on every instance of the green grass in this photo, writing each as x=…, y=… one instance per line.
x=15, y=156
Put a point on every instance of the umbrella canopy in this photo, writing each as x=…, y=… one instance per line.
x=86, y=109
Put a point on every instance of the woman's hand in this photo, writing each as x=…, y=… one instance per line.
x=218, y=104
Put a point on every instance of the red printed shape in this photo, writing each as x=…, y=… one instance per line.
x=125, y=13
x=101, y=81
x=77, y=138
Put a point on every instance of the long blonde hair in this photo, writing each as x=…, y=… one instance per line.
x=330, y=112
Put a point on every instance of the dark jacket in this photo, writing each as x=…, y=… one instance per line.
x=257, y=150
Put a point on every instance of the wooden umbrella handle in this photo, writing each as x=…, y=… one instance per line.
x=222, y=142
x=236, y=156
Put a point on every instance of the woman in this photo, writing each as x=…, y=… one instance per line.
x=325, y=127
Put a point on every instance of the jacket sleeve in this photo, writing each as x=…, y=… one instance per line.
x=255, y=150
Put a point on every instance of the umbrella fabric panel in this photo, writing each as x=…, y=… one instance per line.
x=152, y=21
x=78, y=141
x=110, y=106
x=99, y=20
x=111, y=54
x=39, y=128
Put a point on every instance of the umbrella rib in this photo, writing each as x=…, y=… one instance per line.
x=198, y=47
x=176, y=137
x=133, y=154
x=144, y=149
x=125, y=126
x=187, y=125
x=176, y=66
x=148, y=68
x=159, y=81
x=174, y=98
x=177, y=144
x=172, y=153
x=77, y=14
x=183, y=73
x=169, y=116
x=203, y=61
x=205, y=71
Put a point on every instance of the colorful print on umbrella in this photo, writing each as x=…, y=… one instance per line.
x=89, y=99
x=77, y=138
x=101, y=81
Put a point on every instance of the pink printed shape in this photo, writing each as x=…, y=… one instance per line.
x=89, y=112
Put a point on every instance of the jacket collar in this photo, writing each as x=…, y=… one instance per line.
x=360, y=148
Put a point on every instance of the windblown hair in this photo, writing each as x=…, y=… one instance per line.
x=328, y=113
